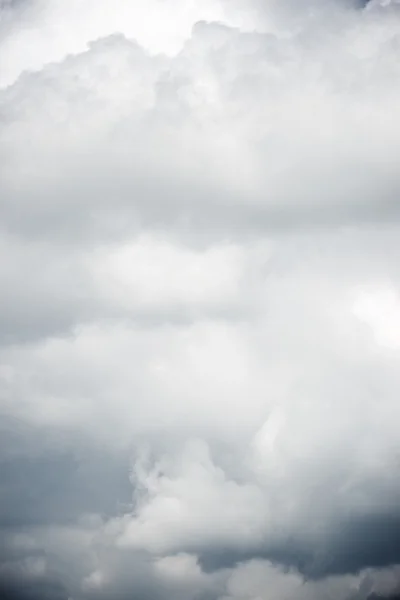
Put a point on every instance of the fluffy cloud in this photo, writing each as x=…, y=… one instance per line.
x=200, y=302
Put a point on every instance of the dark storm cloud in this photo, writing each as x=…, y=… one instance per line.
x=41, y=484
x=29, y=591
x=371, y=541
x=379, y=597
x=368, y=542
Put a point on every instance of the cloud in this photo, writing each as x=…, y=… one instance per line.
x=94, y=128
x=199, y=308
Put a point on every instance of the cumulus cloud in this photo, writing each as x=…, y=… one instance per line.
x=200, y=301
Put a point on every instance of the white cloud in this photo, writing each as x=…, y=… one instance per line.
x=237, y=131
x=151, y=273
x=380, y=309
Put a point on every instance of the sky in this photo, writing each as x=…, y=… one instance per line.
x=200, y=300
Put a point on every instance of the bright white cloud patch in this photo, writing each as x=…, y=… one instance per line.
x=199, y=308
x=380, y=309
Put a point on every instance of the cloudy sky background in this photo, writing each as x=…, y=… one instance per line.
x=200, y=302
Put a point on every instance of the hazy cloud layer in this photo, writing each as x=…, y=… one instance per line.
x=200, y=301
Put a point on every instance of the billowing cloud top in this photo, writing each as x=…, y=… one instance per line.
x=200, y=300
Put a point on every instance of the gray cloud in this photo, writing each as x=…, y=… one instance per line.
x=199, y=307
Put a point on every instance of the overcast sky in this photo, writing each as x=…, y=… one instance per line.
x=199, y=300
